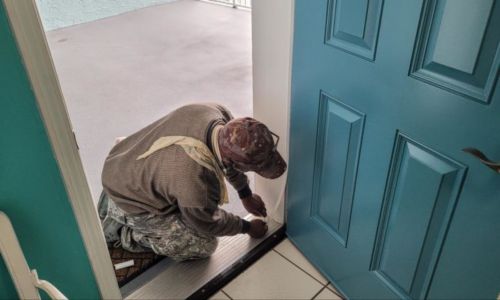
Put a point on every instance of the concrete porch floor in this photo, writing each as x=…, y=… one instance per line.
x=121, y=73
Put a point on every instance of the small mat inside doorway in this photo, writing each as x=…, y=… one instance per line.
x=142, y=262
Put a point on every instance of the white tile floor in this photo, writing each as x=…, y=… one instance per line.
x=283, y=273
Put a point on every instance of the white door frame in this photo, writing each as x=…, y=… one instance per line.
x=271, y=83
x=30, y=37
x=272, y=40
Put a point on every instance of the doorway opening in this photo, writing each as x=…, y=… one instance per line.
x=123, y=72
x=121, y=68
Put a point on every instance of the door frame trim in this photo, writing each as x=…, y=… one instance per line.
x=30, y=36
x=31, y=40
x=272, y=47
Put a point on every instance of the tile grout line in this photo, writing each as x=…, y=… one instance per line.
x=290, y=261
x=319, y=292
x=333, y=291
x=227, y=295
x=325, y=285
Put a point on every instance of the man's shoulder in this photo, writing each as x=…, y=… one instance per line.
x=209, y=109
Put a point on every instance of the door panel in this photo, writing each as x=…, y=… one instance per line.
x=422, y=191
x=353, y=26
x=339, y=142
x=472, y=69
x=385, y=94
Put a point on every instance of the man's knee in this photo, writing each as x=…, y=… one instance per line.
x=190, y=248
x=209, y=247
x=199, y=248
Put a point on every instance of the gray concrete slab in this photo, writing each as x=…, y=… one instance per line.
x=121, y=73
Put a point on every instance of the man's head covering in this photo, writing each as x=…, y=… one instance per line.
x=249, y=146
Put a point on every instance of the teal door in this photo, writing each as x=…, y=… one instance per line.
x=385, y=95
x=32, y=191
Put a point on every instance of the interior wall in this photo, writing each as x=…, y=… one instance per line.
x=62, y=13
x=32, y=192
x=272, y=30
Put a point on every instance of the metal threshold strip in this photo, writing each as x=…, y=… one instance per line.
x=200, y=279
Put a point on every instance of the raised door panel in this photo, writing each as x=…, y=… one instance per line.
x=353, y=25
x=421, y=194
x=340, y=130
x=457, y=47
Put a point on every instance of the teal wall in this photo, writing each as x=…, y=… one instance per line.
x=32, y=193
x=62, y=13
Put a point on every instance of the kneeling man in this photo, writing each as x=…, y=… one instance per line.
x=164, y=185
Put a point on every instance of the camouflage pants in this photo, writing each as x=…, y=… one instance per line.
x=165, y=235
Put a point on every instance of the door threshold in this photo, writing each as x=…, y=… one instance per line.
x=199, y=279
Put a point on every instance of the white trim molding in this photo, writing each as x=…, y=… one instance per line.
x=30, y=37
x=15, y=261
x=26, y=282
x=272, y=41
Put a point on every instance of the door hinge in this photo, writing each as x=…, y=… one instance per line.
x=76, y=142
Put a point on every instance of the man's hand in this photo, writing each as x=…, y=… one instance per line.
x=255, y=205
x=258, y=228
